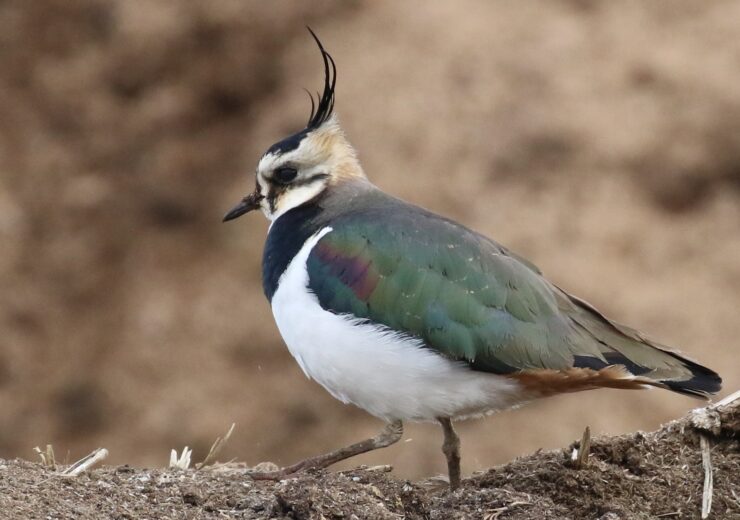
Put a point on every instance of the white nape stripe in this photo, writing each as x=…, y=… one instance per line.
x=388, y=374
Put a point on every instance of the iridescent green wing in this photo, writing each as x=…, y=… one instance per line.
x=470, y=299
x=465, y=296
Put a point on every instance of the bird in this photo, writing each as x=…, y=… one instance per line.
x=412, y=316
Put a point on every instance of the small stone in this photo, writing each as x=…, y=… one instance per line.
x=265, y=467
x=191, y=497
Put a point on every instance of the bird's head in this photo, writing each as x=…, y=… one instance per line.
x=302, y=166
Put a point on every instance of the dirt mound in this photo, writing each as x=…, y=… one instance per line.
x=638, y=476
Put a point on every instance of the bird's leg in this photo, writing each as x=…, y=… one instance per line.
x=391, y=434
x=451, y=449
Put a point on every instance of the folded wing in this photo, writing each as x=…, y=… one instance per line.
x=471, y=300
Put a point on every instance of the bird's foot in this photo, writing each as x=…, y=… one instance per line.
x=391, y=434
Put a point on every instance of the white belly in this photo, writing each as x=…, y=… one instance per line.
x=387, y=374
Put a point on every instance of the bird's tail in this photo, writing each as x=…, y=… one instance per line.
x=702, y=382
x=644, y=361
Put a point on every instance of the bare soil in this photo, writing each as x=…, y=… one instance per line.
x=637, y=476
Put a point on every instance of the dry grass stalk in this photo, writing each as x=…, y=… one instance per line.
x=183, y=461
x=706, y=462
x=727, y=400
x=381, y=468
x=47, y=457
x=85, y=463
x=493, y=514
x=216, y=448
x=579, y=456
x=584, y=452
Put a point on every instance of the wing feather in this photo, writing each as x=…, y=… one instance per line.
x=470, y=299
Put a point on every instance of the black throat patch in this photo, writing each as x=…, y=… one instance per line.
x=286, y=237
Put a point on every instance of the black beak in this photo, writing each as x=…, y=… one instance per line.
x=247, y=204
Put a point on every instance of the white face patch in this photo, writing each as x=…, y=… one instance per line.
x=322, y=157
x=311, y=180
x=293, y=197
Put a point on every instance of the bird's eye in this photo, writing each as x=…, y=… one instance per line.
x=284, y=174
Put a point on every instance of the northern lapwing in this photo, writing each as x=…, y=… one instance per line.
x=412, y=316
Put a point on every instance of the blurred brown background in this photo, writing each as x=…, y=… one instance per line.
x=599, y=139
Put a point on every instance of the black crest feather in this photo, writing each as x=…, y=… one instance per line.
x=325, y=107
x=321, y=108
